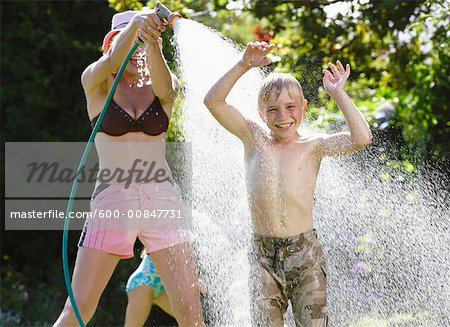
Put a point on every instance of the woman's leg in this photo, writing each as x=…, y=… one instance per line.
x=178, y=272
x=139, y=306
x=93, y=269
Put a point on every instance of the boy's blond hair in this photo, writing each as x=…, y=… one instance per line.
x=274, y=83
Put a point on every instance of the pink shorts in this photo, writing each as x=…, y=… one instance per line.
x=151, y=212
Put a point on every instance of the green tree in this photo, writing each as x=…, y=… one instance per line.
x=370, y=37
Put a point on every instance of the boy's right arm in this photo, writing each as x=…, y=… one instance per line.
x=226, y=114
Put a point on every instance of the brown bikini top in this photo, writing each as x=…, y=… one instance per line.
x=117, y=121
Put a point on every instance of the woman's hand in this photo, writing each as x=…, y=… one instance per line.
x=255, y=54
x=150, y=26
x=334, y=83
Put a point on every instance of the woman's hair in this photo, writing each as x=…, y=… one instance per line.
x=274, y=83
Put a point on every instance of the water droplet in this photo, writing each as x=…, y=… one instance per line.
x=142, y=67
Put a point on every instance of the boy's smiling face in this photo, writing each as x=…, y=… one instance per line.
x=283, y=115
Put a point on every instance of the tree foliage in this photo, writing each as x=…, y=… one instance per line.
x=399, y=50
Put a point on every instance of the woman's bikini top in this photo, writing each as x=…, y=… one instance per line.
x=117, y=121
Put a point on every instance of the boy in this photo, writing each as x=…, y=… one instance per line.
x=281, y=172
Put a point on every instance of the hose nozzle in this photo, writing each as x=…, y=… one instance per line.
x=165, y=14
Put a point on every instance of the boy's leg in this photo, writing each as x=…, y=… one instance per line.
x=270, y=302
x=93, y=269
x=307, y=279
x=270, y=299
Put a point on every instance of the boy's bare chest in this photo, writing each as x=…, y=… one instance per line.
x=292, y=163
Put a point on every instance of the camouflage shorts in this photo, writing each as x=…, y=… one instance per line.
x=292, y=269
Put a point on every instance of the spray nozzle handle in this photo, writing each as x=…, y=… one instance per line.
x=165, y=14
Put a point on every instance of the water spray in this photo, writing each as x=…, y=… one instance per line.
x=164, y=14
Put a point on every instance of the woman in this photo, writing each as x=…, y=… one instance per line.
x=132, y=131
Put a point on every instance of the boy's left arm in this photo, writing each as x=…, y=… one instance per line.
x=360, y=135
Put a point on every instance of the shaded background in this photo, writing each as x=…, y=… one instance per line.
x=398, y=50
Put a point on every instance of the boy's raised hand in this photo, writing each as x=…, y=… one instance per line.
x=255, y=54
x=334, y=82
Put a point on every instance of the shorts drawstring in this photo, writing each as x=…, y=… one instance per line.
x=140, y=189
